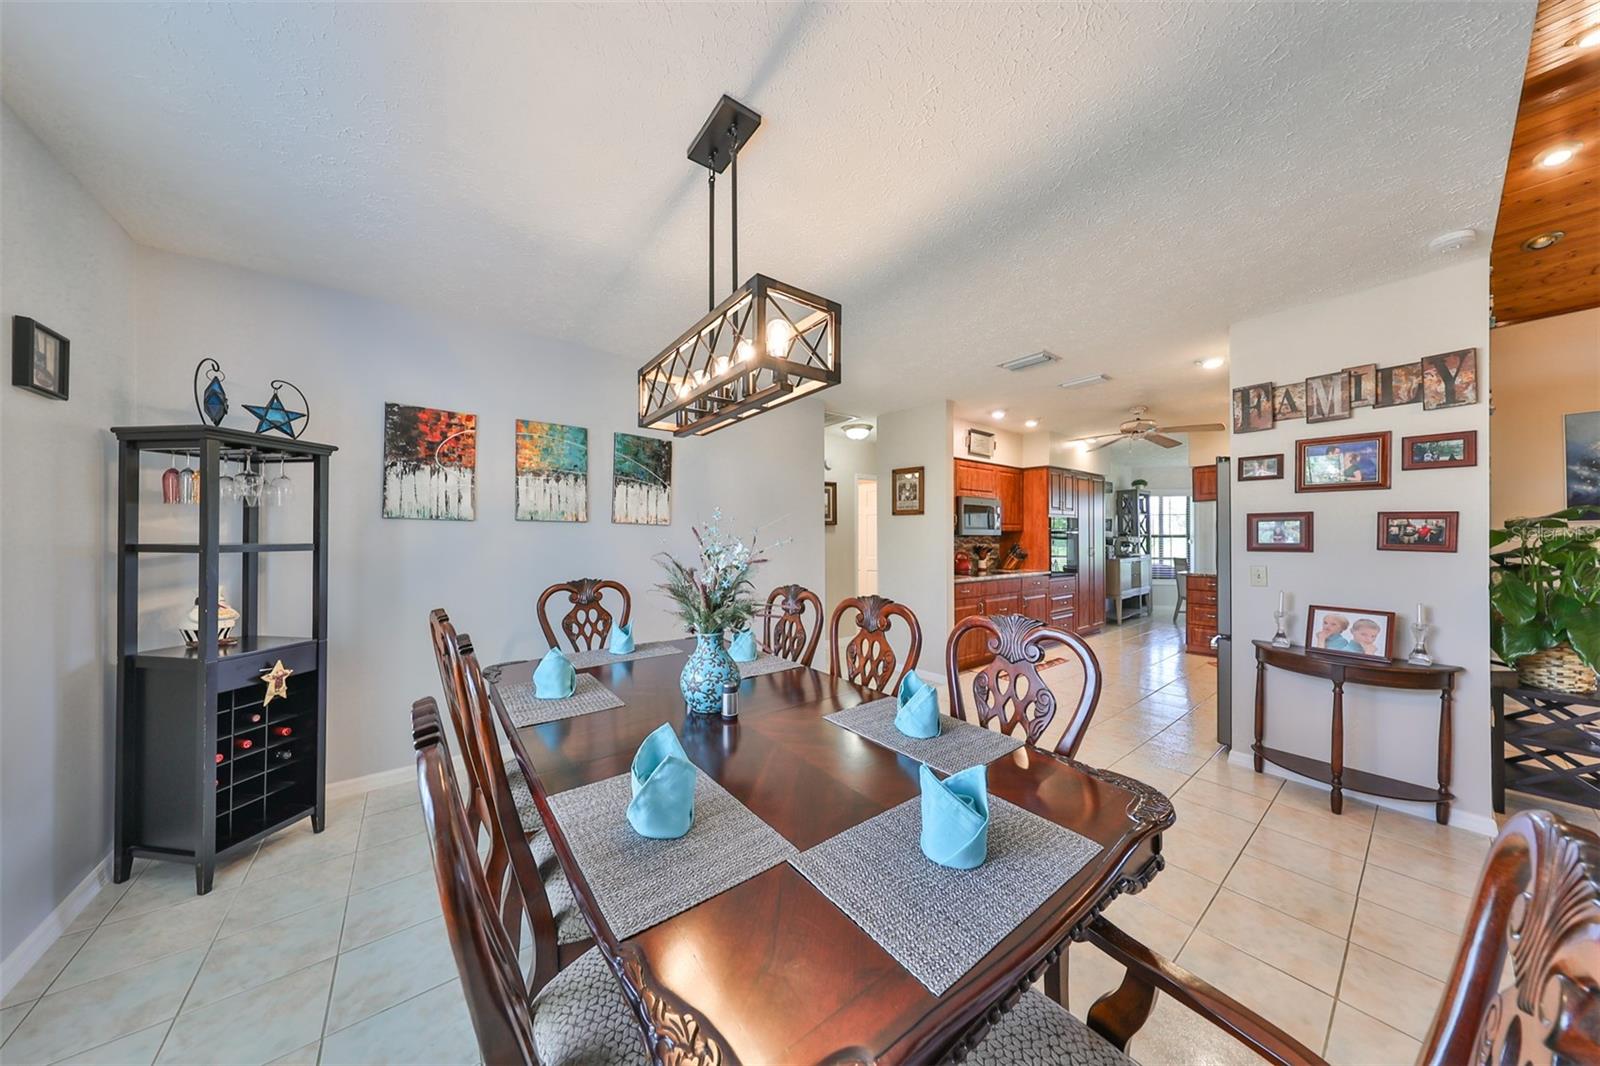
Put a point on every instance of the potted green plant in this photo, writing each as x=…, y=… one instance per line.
x=713, y=595
x=1544, y=600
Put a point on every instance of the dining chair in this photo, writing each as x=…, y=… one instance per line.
x=786, y=635
x=443, y=634
x=1180, y=575
x=1009, y=687
x=869, y=659
x=575, y=1015
x=587, y=623
x=1538, y=900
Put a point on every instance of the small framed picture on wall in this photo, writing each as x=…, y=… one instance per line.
x=1331, y=464
x=1439, y=450
x=39, y=358
x=906, y=490
x=1279, y=531
x=1418, y=531
x=830, y=503
x=1260, y=467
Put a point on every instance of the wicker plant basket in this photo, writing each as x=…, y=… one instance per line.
x=1558, y=669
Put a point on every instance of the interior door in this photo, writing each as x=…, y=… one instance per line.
x=866, y=536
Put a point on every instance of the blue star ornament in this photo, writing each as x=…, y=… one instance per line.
x=274, y=416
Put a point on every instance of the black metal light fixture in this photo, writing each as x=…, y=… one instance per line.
x=765, y=344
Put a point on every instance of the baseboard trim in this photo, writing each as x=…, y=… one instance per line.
x=352, y=786
x=31, y=950
x=1481, y=824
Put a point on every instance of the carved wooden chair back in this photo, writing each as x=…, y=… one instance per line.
x=486, y=955
x=587, y=624
x=511, y=871
x=1539, y=898
x=786, y=635
x=1009, y=687
x=869, y=659
x=448, y=657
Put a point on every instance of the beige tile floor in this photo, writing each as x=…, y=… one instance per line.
x=330, y=948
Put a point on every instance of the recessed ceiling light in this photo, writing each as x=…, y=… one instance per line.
x=1559, y=155
x=857, y=430
x=1542, y=241
x=1587, y=39
x=997, y=414
x=1210, y=364
x=1032, y=423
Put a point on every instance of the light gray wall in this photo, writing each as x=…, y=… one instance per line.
x=1388, y=732
x=916, y=553
x=64, y=262
x=848, y=459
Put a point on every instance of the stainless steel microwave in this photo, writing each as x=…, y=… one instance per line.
x=977, y=516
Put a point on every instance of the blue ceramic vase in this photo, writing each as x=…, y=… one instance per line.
x=708, y=667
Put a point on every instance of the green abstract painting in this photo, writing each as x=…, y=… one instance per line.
x=641, y=481
x=552, y=472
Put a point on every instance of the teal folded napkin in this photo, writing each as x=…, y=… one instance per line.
x=917, y=708
x=955, y=817
x=554, y=679
x=662, y=807
x=743, y=649
x=621, y=642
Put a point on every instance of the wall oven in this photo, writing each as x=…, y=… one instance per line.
x=1063, y=545
x=977, y=516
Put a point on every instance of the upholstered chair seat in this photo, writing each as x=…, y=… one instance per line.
x=582, y=1017
x=1039, y=1032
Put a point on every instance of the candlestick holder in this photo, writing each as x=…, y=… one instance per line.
x=1280, y=639
x=1419, y=652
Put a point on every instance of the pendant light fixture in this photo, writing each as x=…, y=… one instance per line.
x=765, y=344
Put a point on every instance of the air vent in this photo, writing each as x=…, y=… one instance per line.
x=834, y=418
x=1028, y=362
x=1084, y=382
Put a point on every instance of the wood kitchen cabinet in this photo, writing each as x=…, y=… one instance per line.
x=1204, y=483
x=1063, y=497
x=986, y=596
x=976, y=479
x=1008, y=488
x=1200, y=613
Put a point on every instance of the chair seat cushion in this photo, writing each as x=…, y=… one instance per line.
x=570, y=926
x=582, y=1017
x=522, y=795
x=1039, y=1032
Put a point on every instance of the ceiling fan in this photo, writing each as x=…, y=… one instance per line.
x=1141, y=428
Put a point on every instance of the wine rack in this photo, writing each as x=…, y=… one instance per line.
x=206, y=764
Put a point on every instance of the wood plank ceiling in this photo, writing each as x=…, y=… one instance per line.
x=1560, y=106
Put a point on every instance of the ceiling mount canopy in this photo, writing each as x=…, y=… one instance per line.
x=765, y=344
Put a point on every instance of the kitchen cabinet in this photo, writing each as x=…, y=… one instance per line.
x=1205, y=483
x=1063, y=499
x=976, y=479
x=990, y=596
x=1200, y=613
x=1035, y=597
x=1008, y=489
x=1091, y=583
x=1064, y=602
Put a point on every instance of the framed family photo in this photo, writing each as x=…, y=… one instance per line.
x=1279, y=531
x=1353, y=461
x=1418, y=531
x=906, y=490
x=1439, y=450
x=1351, y=631
x=1260, y=467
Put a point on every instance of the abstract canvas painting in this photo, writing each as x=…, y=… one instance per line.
x=430, y=463
x=552, y=472
x=641, y=481
x=1583, y=459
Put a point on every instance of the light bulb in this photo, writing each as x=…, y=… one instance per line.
x=779, y=336
x=1560, y=155
x=722, y=365
x=746, y=350
x=1032, y=423
x=997, y=414
x=1590, y=39
x=683, y=389
x=1211, y=363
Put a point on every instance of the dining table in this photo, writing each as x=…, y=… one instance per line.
x=781, y=972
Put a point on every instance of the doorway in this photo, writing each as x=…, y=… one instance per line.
x=866, y=536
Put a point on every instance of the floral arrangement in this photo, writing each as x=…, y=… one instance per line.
x=717, y=595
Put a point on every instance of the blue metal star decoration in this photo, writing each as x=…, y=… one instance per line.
x=274, y=416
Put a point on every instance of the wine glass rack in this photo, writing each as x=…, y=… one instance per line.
x=207, y=765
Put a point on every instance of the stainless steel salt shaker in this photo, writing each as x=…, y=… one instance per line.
x=730, y=700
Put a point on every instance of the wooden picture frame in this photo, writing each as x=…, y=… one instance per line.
x=1418, y=531
x=1252, y=408
x=907, y=490
x=830, y=503
x=1370, y=472
x=1342, y=622
x=1252, y=473
x=40, y=358
x=1255, y=525
x=1412, y=459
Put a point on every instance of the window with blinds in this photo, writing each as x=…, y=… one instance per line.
x=1169, y=534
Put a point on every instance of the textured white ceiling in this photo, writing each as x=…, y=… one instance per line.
x=1116, y=182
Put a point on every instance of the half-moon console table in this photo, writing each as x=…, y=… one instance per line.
x=1342, y=671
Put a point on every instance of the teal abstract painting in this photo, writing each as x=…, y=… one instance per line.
x=641, y=481
x=552, y=472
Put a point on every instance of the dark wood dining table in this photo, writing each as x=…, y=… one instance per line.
x=782, y=973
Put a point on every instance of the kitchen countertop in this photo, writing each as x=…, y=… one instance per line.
x=962, y=579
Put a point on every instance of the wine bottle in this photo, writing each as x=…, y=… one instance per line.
x=282, y=731
x=220, y=757
x=244, y=743
x=255, y=718
x=283, y=754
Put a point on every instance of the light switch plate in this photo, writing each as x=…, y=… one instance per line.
x=1258, y=577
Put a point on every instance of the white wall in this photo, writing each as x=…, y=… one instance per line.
x=915, y=552
x=1386, y=732
x=848, y=459
x=64, y=262
x=1054, y=449
x=1008, y=448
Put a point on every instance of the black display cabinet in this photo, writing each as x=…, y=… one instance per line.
x=204, y=767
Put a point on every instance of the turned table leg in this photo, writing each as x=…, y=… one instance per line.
x=1336, y=758
x=1441, y=812
x=1261, y=712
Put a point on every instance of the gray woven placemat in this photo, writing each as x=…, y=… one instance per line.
x=938, y=922
x=601, y=657
x=637, y=881
x=526, y=709
x=766, y=664
x=958, y=745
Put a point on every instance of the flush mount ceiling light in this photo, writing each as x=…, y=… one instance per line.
x=1213, y=363
x=1557, y=155
x=1032, y=423
x=1028, y=362
x=1542, y=241
x=997, y=414
x=766, y=344
x=1454, y=241
x=1083, y=382
x=857, y=430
